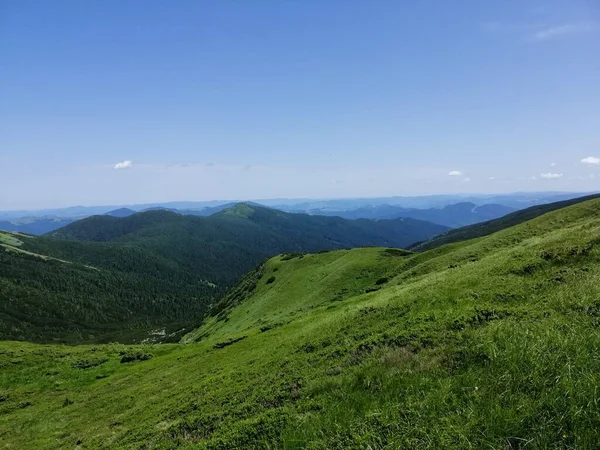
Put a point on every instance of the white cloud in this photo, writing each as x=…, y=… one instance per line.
x=455, y=173
x=551, y=176
x=564, y=30
x=591, y=161
x=124, y=164
x=466, y=180
x=491, y=178
x=507, y=28
x=553, y=164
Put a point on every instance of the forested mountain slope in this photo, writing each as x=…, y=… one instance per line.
x=487, y=343
x=157, y=269
x=77, y=291
x=307, y=232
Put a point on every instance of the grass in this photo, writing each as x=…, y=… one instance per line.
x=10, y=240
x=489, y=343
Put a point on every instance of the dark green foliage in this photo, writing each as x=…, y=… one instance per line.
x=131, y=356
x=271, y=280
x=341, y=295
x=88, y=363
x=125, y=290
x=228, y=342
x=395, y=252
x=269, y=327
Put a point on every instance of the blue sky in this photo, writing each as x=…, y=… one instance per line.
x=115, y=102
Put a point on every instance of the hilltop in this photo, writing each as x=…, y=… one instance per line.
x=118, y=278
x=487, y=343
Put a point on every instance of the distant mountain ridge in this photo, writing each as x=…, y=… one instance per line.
x=492, y=226
x=518, y=200
x=35, y=225
x=453, y=216
x=121, y=212
x=441, y=209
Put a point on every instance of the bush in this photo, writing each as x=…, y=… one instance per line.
x=270, y=280
x=138, y=356
x=219, y=345
x=88, y=363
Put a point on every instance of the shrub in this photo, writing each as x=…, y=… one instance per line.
x=137, y=356
x=227, y=343
x=88, y=363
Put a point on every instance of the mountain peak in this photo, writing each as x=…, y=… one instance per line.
x=120, y=212
x=243, y=210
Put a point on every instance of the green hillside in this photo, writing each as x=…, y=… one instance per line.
x=488, y=343
x=156, y=271
x=492, y=226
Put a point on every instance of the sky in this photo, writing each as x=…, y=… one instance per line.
x=120, y=102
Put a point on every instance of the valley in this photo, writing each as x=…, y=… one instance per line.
x=108, y=278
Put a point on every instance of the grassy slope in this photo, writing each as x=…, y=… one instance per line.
x=490, y=343
x=492, y=226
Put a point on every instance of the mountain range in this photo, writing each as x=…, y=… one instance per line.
x=488, y=342
x=453, y=216
x=105, y=276
x=449, y=210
